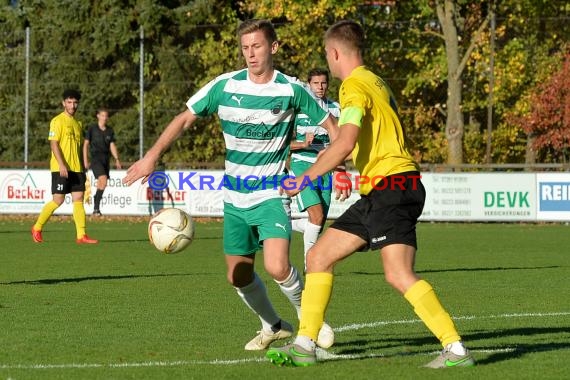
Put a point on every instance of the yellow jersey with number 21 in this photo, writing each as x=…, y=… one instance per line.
x=67, y=131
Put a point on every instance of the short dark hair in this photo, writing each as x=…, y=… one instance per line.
x=317, y=72
x=71, y=94
x=253, y=25
x=348, y=32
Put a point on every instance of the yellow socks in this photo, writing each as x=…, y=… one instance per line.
x=79, y=218
x=317, y=294
x=315, y=299
x=427, y=306
x=45, y=214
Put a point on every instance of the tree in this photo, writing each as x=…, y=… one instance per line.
x=530, y=36
x=98, y=51
x=435, y=56
x=548, y=121
x=451, y=25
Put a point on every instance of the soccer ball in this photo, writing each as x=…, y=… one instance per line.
x=171, y=230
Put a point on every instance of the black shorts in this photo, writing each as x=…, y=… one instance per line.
x=100, y=167
x=73, y=183
x=388, y=214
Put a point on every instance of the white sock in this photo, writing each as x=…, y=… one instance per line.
x=305, y=342
x=299, y=224
x=292, y=287
x=310, y=238
x=457, y=348
x=254, y=295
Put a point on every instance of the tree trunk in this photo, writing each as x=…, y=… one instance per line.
x=530, y=153
x=454, y=126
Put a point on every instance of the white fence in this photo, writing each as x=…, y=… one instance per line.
x=543, y=196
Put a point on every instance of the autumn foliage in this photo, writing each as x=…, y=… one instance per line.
x=548, y=121
x=185, y=44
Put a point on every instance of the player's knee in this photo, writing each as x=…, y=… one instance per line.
x=391, y=280
x=278, y=271
x=316, y=216
x=318, y=261
x=398, y=281
x=58, y=200
x=239, y=281
x=316, y=219
x=240, y=276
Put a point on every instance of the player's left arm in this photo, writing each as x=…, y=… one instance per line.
x=115, y=154
x=86, y=163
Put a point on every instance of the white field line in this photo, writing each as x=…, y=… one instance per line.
x=358, y=326
x=321, y=354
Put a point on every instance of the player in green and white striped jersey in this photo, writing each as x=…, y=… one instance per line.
x=257, y=122
x=256, y=107
x=310, y=139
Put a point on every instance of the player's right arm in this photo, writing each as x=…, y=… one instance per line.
x=202, y=103
x=56, y=150
x=145, y=166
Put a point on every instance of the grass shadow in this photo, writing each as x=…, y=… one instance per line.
x=362, y=273
x=367, y=347
x=52, y=281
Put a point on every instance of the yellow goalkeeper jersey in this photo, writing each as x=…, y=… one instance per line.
x=381, y=149
x=67, y=131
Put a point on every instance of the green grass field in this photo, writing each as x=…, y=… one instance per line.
x=122, y=310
